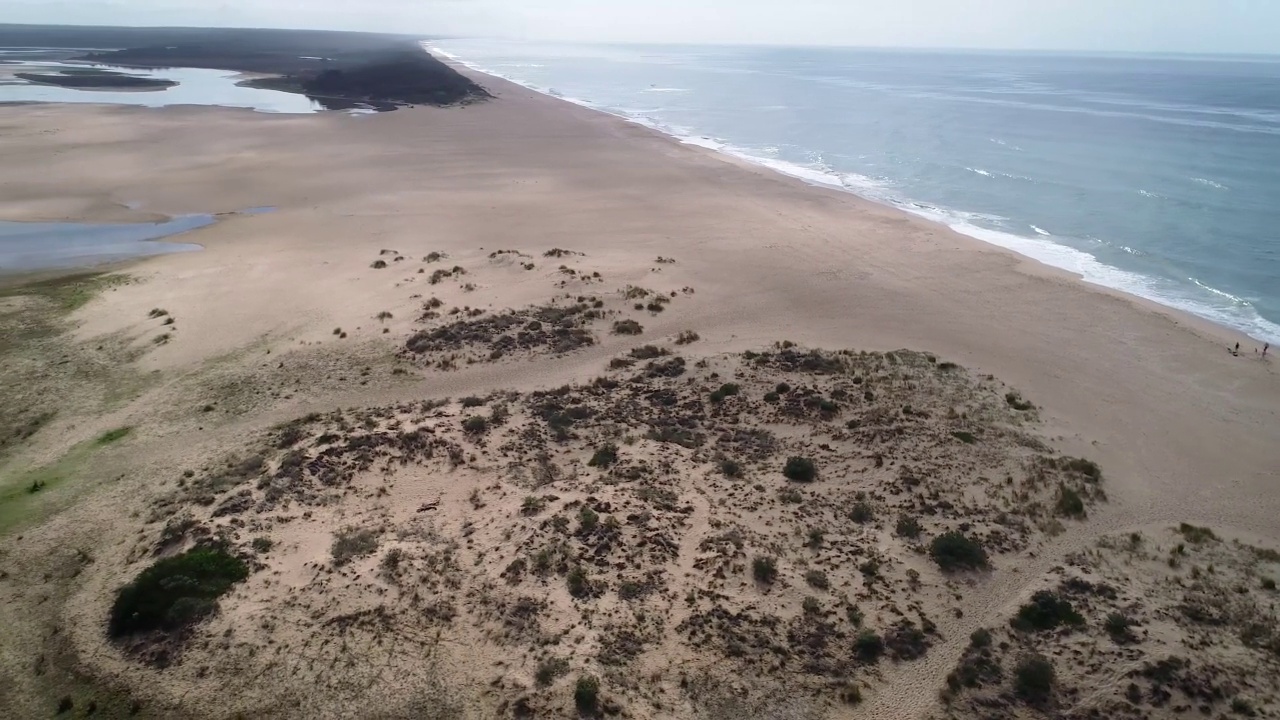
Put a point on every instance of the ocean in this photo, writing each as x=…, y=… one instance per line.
x=1155, y=175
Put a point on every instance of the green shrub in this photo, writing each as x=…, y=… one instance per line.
x=980, y=638
x=800, y=469
x=378, y=264
x=472, y=401
x=1119, y=626
x=475, y=425
x=1046, y=611
x=578, y=581
x=532, y=505
x=964, y=436
x=726, y=390
x=790, y=496
x=604, y=456
x=1268, y=584
x=854, y=613
x=817, y=579
x=783, y=388
x=764, y=569
x=1080, y=466
x=907, y=527
x=262, y=544
x=954, y=550
x=627, y=327
x=1070, y=504
x=1240, y=706
x=175, y=591
x=351, y=543
x=588, y=519
x=1196, y=535
x=550, y=669
x=731, y=468
x=771, y=397
x=868, y=646
x=811, y=605
x=1033, y=678
x=1016, y=402
x=648, y=352
x=586, y=695
x=862, y=513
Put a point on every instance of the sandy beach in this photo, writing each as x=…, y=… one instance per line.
x=278, y=317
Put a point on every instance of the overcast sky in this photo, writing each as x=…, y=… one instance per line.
x=1244, y=26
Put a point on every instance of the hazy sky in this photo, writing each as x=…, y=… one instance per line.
x=1246, y=26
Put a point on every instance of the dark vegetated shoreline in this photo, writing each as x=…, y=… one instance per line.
x=94, y=81
x=338, y=69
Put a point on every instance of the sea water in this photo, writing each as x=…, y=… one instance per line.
x=1155, y=175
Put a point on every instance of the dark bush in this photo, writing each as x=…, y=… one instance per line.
x=627, y=327
x=817, y=579
x=965, y=437
x=1033, y=678
x=907, y=527
x=175, y=591
x=588, y=519
x=351, y=543
x=954, y=550
x=980, y=638
x=1119, y=627
x=1195, y=534
x=1047, y=610
x=800, y=469
x=475, y=425
x=378, y=264
x=579, y=583
x=586, y=695
x=1016, y=402
x=1070, y=504
x=868, y=646
x=764, y=569
x=731, y=468
x=724, y=391
x=862, y=513
x=550, y=669
x=604, y=456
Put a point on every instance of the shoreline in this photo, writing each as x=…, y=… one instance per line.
x=727, y=152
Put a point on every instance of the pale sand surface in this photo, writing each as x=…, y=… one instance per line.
x=1184, y=431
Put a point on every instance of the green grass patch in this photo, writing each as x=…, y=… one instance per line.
x=69, y=292
x=29, y=495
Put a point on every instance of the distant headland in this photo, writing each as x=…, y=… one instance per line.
x=338, y=69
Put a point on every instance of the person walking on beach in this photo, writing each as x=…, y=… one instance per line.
x=1236, y=352
x=1265, y=348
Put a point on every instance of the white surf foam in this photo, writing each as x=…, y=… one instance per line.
x=1210, y=183
x=1041, y=231
x=980, y=171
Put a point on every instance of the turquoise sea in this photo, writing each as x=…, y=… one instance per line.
x=1156, y=175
